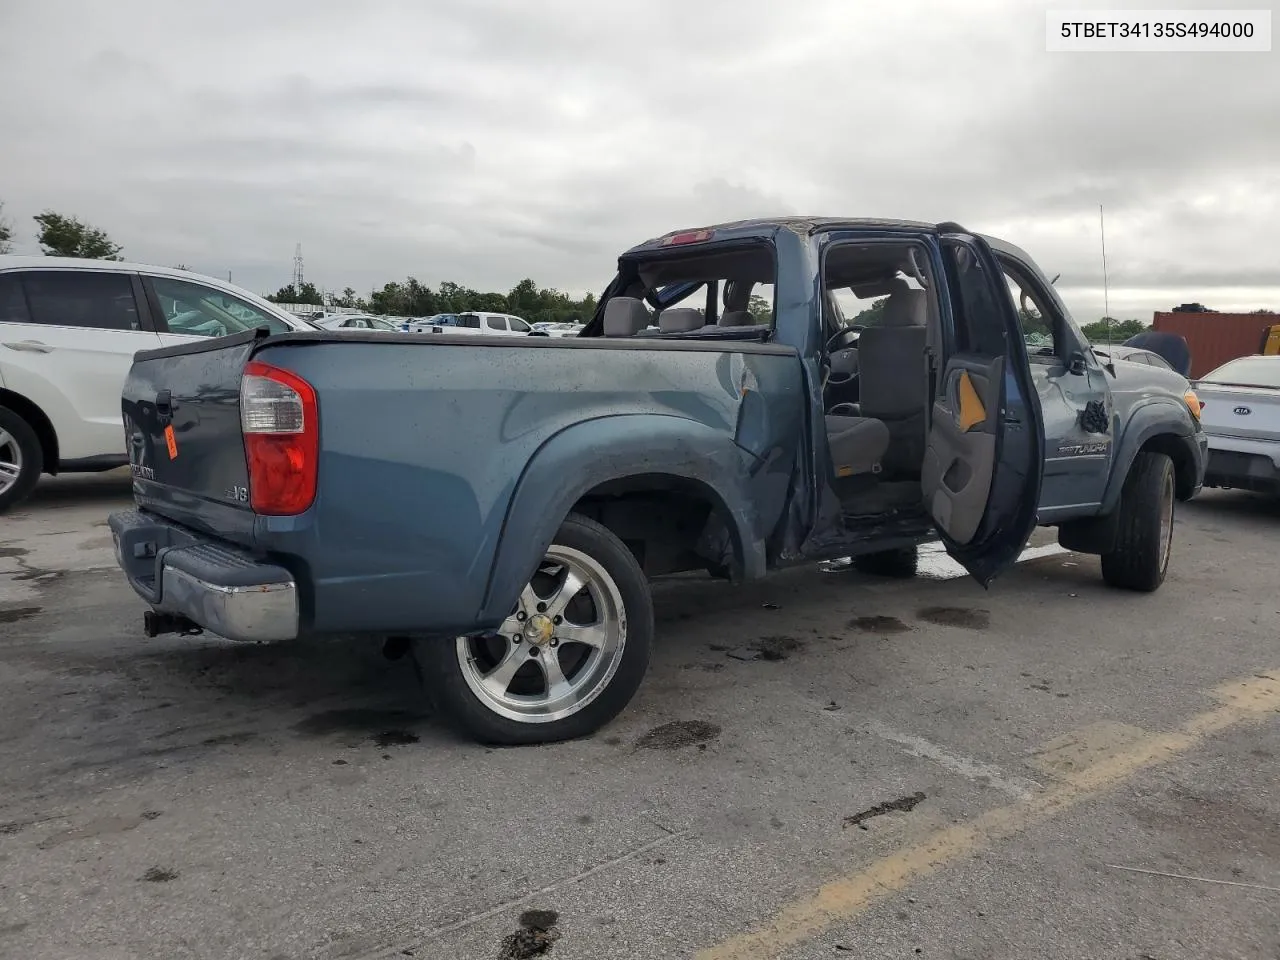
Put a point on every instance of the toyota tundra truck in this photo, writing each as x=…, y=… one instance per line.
x=500, y=504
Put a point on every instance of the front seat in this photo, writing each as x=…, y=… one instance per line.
x=625, y=317
x=857, y=444
x=737, y=299
x=894, y=375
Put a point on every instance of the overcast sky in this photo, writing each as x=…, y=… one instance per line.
x=483, y=141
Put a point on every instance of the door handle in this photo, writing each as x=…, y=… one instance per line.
x=28, y=346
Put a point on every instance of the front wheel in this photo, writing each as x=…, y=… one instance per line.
x=568, y=659
x=1144, y=541
x=21, y=459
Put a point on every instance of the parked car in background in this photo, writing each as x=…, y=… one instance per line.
x=1132, y=355
x=556, y=329
x=68, y=331
x=432, y=324
x=356, y=321
x=1241, y=415
x=475, y=322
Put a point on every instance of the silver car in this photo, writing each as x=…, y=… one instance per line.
x=1241, y=415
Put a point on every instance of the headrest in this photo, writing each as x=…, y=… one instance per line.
x=905, y=308
x=625, y=317
x=880, y=288
x=737, y=318
x=737, y=294
x=680, y=320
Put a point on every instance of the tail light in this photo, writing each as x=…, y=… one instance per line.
x=278, y=416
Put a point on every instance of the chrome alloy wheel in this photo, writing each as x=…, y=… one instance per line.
x=558, y=650
x=10, y=460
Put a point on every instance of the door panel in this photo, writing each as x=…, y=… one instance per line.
x=73, y=356
x=960, y=461
x=985, y=455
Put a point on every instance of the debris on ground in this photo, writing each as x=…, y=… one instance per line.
x=535, y=938
x=970, y=618
x=778, y=648
x=744, y=653
x=678, y=733
x=879, y=624
x=395, y=738
x=160, y=875
x=902, y=804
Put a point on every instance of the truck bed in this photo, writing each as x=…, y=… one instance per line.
x=422, y=443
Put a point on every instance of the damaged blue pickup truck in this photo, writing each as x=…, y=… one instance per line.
x=748, y=396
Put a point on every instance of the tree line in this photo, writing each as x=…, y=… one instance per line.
x=412, y=298
x=60, y=235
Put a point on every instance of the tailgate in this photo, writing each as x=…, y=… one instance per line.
x=1251, y=413
x=181, y=408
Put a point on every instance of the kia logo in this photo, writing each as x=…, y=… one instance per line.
x=1242, y=411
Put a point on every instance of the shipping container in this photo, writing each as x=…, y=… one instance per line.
x=1215, y=338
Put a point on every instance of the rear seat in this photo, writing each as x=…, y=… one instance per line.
x=681, y=320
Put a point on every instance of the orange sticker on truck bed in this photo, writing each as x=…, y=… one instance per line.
x=171, y=442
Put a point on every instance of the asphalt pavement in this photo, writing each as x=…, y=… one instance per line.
x=821, y=765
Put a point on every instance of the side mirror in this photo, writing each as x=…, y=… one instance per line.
x=1076, y=363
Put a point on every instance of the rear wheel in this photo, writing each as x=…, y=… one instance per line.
x=21, y=459
x=568, y=659
x=1144, y=541
x=889, y=563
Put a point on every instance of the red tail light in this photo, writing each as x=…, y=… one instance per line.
x=278, y=416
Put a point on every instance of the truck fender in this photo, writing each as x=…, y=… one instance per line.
x=1155, y=417
x=581, y=457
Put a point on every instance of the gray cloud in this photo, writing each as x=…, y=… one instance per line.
x=482, y=141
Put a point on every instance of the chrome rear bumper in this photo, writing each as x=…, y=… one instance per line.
x=216, y=586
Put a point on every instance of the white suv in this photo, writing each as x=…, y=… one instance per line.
x=68, y=331
x=475, y=321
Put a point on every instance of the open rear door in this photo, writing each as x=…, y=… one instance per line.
x=985, y=455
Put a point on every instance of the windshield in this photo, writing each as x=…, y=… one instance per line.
x=1247, y=372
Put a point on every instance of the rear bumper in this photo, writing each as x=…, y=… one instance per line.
x=215, y=585
x=1243, y=464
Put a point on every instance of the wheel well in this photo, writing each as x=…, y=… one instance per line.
x=1184, y=465
x=38, y=422
x=669, y=523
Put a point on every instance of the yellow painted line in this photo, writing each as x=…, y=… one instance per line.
x=1100, y=760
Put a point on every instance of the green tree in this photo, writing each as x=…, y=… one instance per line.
x=62, y=236
x=349, y=299
x=761, y=310
x=1121, y=330
x=6, y=232
x=309, y=294
x=290, y=294
x=873, y=315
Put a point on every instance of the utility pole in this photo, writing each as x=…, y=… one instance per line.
x=297, y=270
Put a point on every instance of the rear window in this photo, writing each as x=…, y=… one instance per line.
x=75, y=298
x=13, y=304
x=469, y=320
x=1247, y=372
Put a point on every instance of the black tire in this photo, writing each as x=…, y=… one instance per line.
x=451, y=690
x=32, y=457
x=1144, y=543
x=901, y=563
